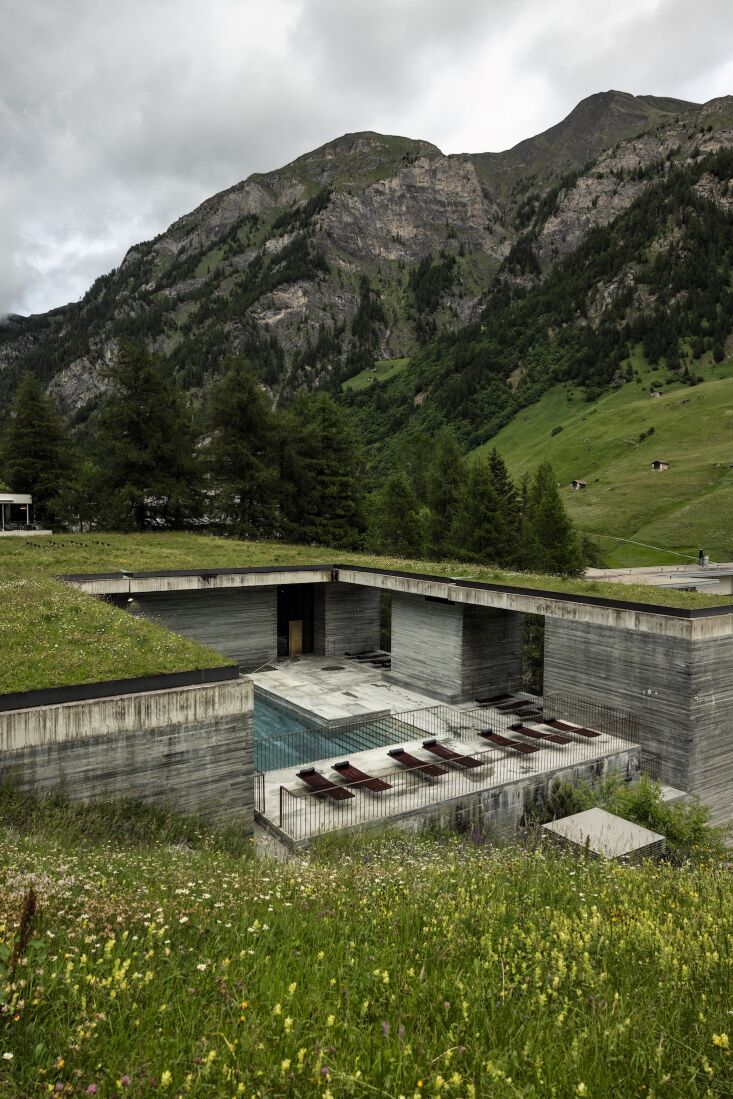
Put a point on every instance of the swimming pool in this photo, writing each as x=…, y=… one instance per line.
x=283, y=738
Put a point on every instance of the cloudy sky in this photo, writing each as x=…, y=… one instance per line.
x=117, y=116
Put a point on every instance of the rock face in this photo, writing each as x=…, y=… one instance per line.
x=362, y=249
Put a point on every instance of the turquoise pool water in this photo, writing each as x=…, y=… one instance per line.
x=282, y=738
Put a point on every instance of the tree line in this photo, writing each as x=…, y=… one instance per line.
x=242, y=468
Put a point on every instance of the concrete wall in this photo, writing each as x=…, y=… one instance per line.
x=241, y=623
x=680, y=690
x=492, y=651
x=190, y=748
x=345, y=619
x=427, y=646
x=454, y=652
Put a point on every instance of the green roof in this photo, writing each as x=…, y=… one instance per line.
x=52, y=635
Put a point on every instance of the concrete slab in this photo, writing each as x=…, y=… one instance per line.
x=331, y=691
x=607, y=835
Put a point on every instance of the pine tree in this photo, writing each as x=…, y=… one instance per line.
x=396, y=525
x=477, y=525
x=509, y=517
x=445, y=484
x=321, y=464
x=242, y=455
x=37, y=452
x=550, y=541
x=149, y=473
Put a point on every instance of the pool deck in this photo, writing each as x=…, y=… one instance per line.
x=300, y=815
x=305, y=684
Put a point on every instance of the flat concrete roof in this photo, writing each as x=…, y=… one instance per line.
x=698, y=623
x=15, y=498
x=605, y=834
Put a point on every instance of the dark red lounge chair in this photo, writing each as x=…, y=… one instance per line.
x=361, y=778
x=323, y=785
x=579, y=729
x=537, y=734
x=412, y=763
x=444, y=752
x=505, y=742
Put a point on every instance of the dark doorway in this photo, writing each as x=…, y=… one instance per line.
x=294, y=619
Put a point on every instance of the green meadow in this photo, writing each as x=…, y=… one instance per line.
x=610, y=444
x=163, y=959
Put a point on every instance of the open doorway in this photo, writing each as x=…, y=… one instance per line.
x=294, y=620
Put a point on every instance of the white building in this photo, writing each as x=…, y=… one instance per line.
x=16, y=511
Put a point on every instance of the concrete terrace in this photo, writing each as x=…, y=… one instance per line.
x=506, y=782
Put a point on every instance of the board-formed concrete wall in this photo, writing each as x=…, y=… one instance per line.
x=427, y=646
x=452, y=651
x=345, y=619
x=240, y=623
x=681, y=690
x=189, y=748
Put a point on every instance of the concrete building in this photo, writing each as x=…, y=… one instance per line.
x=456, y=640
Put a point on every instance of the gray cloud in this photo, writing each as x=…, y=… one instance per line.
x=117, y=118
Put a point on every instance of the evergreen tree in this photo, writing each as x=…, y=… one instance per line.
x=396, y=525
x=37, y=452
x=321, y=464
x=509, y=516
x=242, y=454
x=149, y=473
x=445, y=484
x=477, y=528
x=550, y=540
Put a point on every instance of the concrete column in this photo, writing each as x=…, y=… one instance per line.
x=345, y=619
x=680, y=690
x=453, y=651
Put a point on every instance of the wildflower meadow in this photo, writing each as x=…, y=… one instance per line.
x=143, y=955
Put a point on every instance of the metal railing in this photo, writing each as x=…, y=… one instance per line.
x=308, y=813
x=305, y=813
x=259, y=792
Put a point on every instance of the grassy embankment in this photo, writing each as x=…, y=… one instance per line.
x=165, y=960
x=688, y=506
x=51, y=635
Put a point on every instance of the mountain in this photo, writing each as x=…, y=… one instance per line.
x=377, y=247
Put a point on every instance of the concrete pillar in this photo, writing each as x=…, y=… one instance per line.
x=680, y=690
x=453, y=651
x=346, y=618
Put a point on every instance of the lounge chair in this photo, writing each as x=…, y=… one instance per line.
x=323, y=785
x=360, y=778
x=412, y=763
x=444, y=752
x=537, y=734
x=506, y=742
x=566, y=728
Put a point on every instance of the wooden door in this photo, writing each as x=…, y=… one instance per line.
x=295, y=637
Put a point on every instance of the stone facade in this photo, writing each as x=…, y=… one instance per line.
x=345, y=619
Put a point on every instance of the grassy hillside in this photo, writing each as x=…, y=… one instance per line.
x=163, y=960
x=382, y=371
x=688, y=506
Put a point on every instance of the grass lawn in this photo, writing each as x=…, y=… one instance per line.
x=166, y=961
x=51, y=635
x=383, y=370
x=689, y=506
